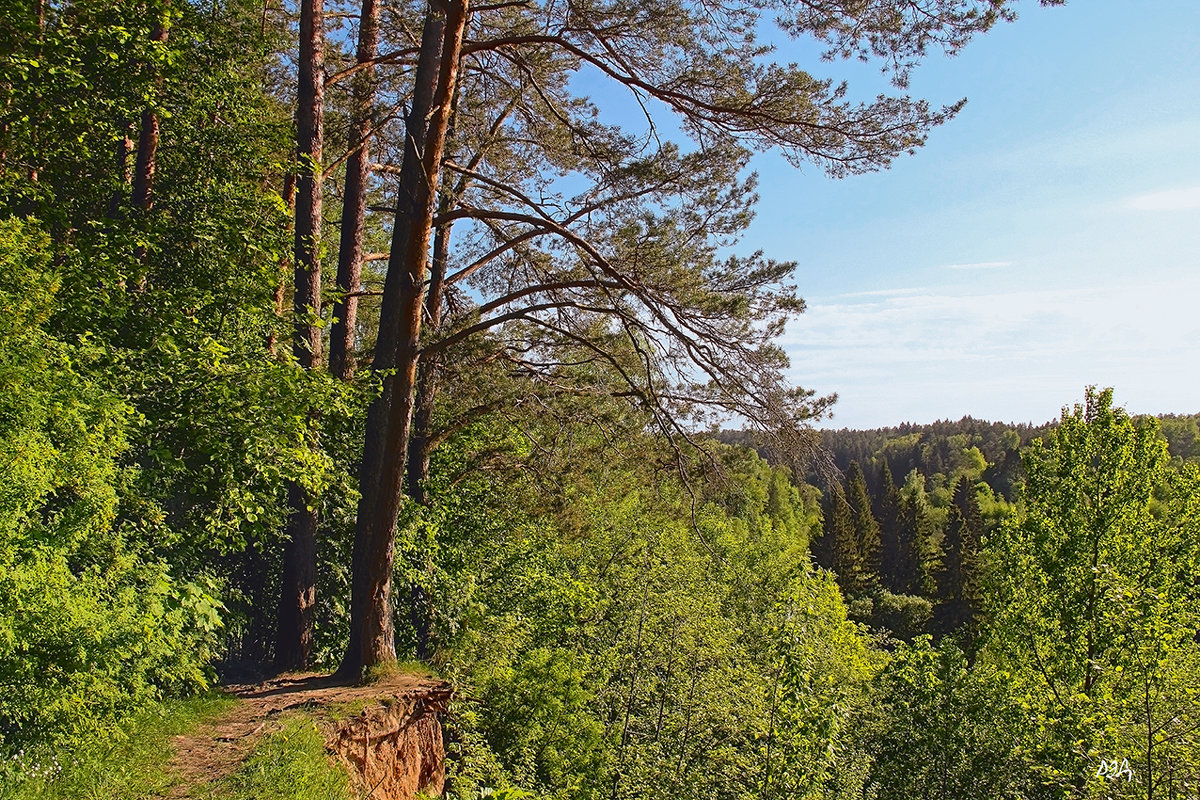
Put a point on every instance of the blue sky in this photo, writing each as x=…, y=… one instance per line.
x=1046, y=239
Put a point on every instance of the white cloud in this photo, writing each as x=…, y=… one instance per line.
x=884, y=292
x=981, y=265
x=1166, y=200
x=1015, y=355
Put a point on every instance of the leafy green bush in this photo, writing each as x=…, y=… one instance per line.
x=128, y=762
x=89, y=629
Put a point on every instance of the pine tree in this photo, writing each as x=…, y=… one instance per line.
x=632, y=258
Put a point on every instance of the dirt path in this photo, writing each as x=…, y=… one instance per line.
x=215, y=749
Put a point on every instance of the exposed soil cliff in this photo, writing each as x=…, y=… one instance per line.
x=394, y=746
x=387, y=733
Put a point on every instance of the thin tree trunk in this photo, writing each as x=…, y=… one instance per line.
x=298, y=593
x=354, y=206
x=372, y=638
x=147, y=156
x=146, y=161
x=289, y=200
x=39, y=15
x=121, y=156
x=147, y=151
x=297, y=601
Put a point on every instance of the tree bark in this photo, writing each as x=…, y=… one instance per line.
x=354, y=206
x=146, y=161
x=389, y=421
x=298, y=592
x=420, y=447
x=147, y=151
x=297, y=600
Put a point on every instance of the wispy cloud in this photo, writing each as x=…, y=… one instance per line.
x=1017, y=354
x=981, y=265
x=884, y=293
x=1166, y=200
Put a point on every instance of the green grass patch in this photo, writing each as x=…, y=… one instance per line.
x=128, y=764
x=289, y=764
x=389, y=669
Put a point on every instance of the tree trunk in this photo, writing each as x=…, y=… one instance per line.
x=354, y=206
x=420, y=447
x=298, y=592
x=123, y=150
x=372, y=639
x=147, y=152
x=297, y=600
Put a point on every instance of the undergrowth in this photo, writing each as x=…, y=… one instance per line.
x=130, y=763
x=289, y=764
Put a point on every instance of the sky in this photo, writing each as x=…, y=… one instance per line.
x=1045, y=240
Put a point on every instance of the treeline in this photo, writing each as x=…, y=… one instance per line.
x=907, y=550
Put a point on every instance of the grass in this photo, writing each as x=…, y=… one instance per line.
x=388, y=669
x=129, y=764
x=288, y=764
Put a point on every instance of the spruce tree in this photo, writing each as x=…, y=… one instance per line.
x=887, y=511
x=866, y=527
x=846, y=561
x=958, y=582
x=907, y=575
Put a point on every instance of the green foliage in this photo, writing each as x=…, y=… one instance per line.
x=939, y=729
x=125, y=763
x=287, y=764
x=820, y=669
x=1183, y=436
x=866, y=527
x=59, y=431
x=1095, y=598
x=166, y=314
x=89, y=629
x=620, y=646
x=904, y=616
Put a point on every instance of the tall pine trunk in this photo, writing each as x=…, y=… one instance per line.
x=420, y=447
x=420, y=442
x=354, y=205
x=389, y=421
x=298, y=592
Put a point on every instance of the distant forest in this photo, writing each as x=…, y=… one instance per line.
x=905, y=511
